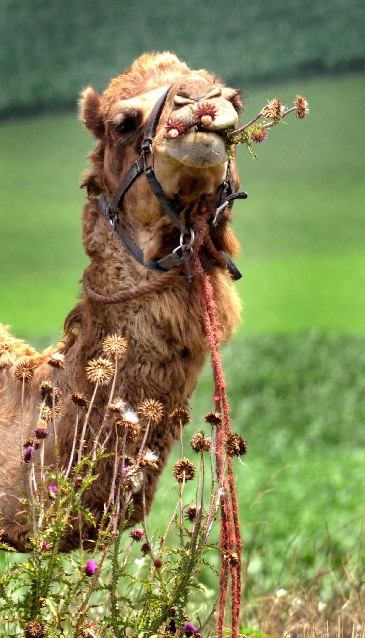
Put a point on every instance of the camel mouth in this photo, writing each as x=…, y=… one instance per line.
x=198, y=149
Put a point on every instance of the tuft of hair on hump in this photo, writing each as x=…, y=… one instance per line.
x=148, y=72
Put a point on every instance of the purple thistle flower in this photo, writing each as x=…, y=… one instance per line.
x=137, y=535
x=52, y=490
x=90, y=568
x=190, y=629
x=41, y=433
x=85, y=536
x=44, y=546
x=157, y=563
x=27, y=456
x=258, y=135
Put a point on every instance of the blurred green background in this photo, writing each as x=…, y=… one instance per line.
x=296, y=369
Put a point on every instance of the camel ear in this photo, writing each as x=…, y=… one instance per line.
x=90, y=111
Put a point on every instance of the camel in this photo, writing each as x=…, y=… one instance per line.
x=161, y=162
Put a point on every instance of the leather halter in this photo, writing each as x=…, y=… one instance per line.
x=144, y=164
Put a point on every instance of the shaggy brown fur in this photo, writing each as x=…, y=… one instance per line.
x=164, y=330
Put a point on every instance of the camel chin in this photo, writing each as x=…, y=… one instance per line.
x=197, y=149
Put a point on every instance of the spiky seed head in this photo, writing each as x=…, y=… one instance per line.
x=46, y=389
x=206, y=113
x=231, y=558
x=115, y=346
x=302, y=107
x=80, y=400
x=24, y=370
x=179, y=416
x=99, y=370
x=35, y=629
x=257, y=134
x=152, y=410
x=137, y=535
x=184, y=470
x=199, y=443
x=145, y=548
x=133, y=478
x=131, y=429
x=235, y=444
x=47, y=412
x=118, y=405
x=272, y=111
x=214, y=418
x=191, y=513
x=56, y=360
x=174, y=128
x=149, y=459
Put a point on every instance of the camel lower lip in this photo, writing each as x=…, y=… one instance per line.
x=197, y=149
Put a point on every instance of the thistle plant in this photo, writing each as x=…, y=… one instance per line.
x=124, y=580
x=273, y=113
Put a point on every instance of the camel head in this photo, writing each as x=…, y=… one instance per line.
x=189, y=149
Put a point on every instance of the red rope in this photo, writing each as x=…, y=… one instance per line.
x=230, y=529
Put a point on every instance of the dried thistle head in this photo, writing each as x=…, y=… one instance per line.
x=117, y=406
x=179, y=417
x=199, y=443
x=184, y=470
x=235, y=444
x=214, y=418
x=45, y=389
x=302, y=107
x=231, y=558
x=133, y=478
x=149, y=459
x=24, y=370
x=47, y=412
x=132, y=430
x=80, y=400
x=56, y=360
x=35, y=629
x=152, y=410
x=99, y=370
x=272, y=111
x=115, y=346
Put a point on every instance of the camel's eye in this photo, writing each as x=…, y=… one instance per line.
x=128, y=121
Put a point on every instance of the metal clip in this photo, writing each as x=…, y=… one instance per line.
x=147, y=153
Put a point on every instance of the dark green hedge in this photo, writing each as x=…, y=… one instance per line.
x=50, y=49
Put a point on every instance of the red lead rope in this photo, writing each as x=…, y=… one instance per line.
x=231, y=543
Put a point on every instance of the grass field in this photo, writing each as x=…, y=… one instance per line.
x=296, y=370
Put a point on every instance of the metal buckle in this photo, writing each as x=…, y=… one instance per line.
x=147, y=152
